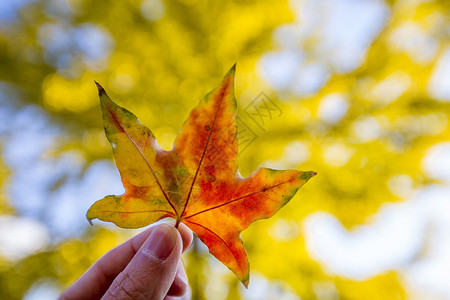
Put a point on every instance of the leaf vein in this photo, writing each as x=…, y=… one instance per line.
x=203, y=153
x=236, y=199
x=134, y=212
x=216, y=235
x=147, y=163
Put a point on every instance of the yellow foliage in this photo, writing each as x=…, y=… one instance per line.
x=158, y=60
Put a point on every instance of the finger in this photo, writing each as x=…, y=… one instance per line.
x=180, y=283
x=95, y=281
x=186, y=296
x=152, y=270
x=186, y=235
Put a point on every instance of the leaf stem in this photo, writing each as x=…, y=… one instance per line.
x=177, y=223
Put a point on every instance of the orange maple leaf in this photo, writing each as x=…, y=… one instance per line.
x=197, y=182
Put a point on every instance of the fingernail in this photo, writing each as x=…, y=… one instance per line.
x=161, y=242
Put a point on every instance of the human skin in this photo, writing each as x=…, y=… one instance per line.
x=147, y=266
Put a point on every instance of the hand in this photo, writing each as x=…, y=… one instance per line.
x=147, y=266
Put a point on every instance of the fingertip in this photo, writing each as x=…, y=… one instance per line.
x=163, y=240
x=180, y=284
x=152, y=270
x=186, y=236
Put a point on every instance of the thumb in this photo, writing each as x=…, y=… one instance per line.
x=152, y=270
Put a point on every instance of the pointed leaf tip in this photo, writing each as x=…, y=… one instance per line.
x=89, y=219
x=101, y=90
x=307, y=175
x=245, y=283
x=232, y=69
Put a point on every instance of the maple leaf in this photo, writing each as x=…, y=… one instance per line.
x=197, y=182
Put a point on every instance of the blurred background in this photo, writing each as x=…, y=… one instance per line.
x=356, y=90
